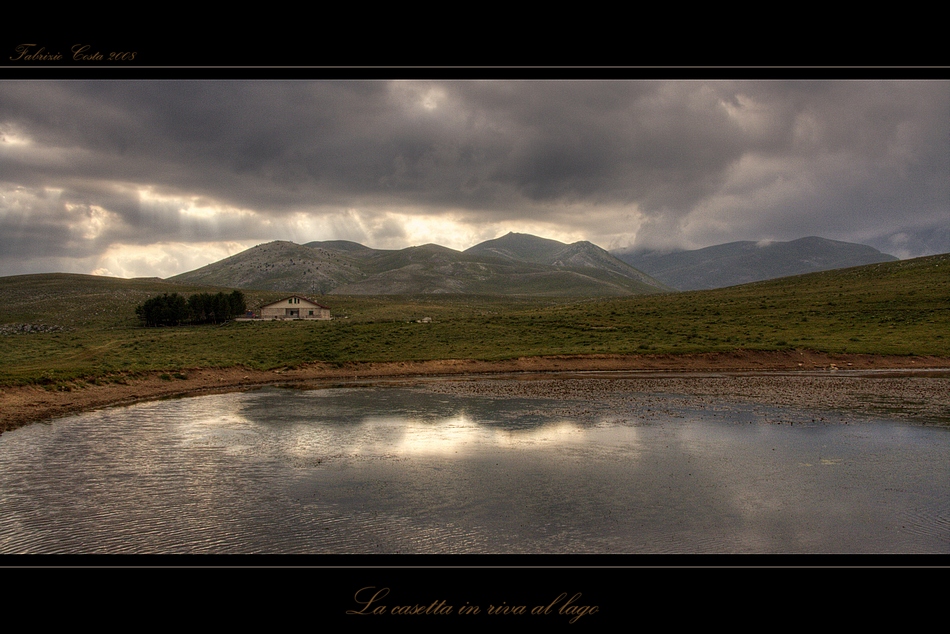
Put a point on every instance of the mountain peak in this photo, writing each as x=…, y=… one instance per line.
x=522, y=247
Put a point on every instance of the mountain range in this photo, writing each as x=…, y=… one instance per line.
x=520, y=264
x=743, y=262
x=515, y=264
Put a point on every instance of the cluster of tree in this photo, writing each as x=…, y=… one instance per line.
x=200, y=308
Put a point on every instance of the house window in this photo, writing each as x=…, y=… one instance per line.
x=311, y=312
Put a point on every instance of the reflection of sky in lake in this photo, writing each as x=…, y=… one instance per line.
x=366, y=470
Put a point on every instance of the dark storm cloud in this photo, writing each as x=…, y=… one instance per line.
x=685, y=163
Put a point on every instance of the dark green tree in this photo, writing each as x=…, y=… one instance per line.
x=164, y=310
x=238, y=303
x=199, y=308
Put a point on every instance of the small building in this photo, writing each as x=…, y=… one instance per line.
x=294, y=307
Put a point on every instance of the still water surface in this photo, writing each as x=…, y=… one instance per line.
x=407, y=470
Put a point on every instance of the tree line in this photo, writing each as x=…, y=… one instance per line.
x=200, y=308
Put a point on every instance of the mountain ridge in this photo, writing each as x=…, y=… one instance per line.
x=515, y=264
x=521, y=264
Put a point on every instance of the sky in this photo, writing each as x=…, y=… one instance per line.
x=156, y=177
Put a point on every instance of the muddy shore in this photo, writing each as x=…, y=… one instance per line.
x=20, y=405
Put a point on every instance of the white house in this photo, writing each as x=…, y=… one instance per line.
x=294, y=307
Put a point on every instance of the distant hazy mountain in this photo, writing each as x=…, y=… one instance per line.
x=516, y=264
x=742, y=262
x=915, y=242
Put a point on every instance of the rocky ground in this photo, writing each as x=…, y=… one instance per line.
x=922, y=397
x=800, y=378
x=26, y=329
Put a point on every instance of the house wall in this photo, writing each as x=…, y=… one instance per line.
x=318, y=313
x=302, y=309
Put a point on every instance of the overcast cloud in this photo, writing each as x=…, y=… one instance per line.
x=157, y=177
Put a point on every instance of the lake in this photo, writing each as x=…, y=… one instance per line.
x=429, y=467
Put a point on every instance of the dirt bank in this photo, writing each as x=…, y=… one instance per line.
x=22, y=405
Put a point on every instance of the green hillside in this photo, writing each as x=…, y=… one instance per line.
x=898, y=308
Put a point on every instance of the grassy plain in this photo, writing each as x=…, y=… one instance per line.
x=894, y=308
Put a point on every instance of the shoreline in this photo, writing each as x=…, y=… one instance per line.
x=23, y=405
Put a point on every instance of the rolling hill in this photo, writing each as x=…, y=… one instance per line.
x=743, y=262
x=516, y=264
x=59, y=330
